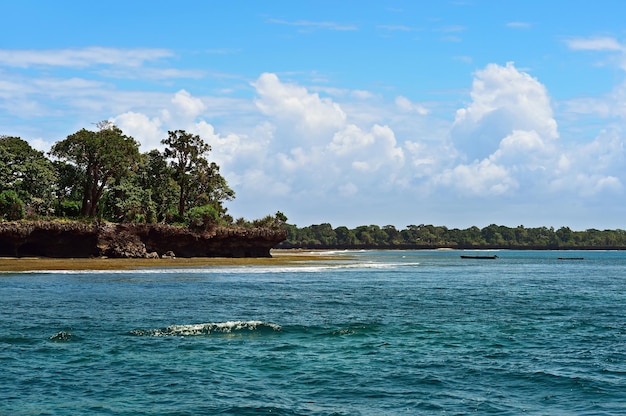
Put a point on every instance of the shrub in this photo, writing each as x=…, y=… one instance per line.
x=202, y=218
x=11, y=206
x=69, y=208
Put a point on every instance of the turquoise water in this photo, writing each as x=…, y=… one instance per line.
x=395, y=332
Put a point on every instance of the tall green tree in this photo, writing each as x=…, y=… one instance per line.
x=102, y=155
x=155, y=175
x=198, y=180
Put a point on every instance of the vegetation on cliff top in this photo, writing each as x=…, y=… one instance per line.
x=102, y=175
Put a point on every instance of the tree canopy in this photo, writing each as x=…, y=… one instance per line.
x=27, y=172
x=429, y=236
x=102, y=173
x=197, y=179
x=102, y=156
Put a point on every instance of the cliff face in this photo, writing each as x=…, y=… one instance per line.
x=74, y=239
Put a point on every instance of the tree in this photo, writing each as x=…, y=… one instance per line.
x=27, y=172
x=199, y=182
x=209, y=187
x=68, y=189
x=102, y=156
x=345, y=236
x=155, y=176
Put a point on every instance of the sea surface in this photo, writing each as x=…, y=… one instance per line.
x=371, y=333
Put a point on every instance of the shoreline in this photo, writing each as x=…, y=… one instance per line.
x=279, y=257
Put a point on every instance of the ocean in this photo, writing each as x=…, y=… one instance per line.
x=366, y=333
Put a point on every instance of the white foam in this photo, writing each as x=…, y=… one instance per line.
x=207, y=328
x=314, y=267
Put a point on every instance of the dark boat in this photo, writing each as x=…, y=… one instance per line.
x=571, y=258
x=479, y=257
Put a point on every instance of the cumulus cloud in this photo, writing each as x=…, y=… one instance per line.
x=188, y=106
x=237, y=152
x=507, y=134
x=142, y=128
x=503, y=100
x=367, y=151
x=484, y=178
x=292, y=105
x=594, y=167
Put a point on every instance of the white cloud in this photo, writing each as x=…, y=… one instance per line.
x=188, y=106
x=405, y=105
x=367, y=151
x=145, y=130
x=594, y=44
x=483, y=178
x=519, y=25
x=237, y=152
x=508, y=136
x=310, y=25
x=81, y=58
x=522, y=146
x=41, y=144
x=293, y=106
x=503, y=100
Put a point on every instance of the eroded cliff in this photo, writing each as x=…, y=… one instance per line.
x=77, y=239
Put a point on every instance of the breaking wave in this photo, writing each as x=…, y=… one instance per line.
x=62, y=336
x=310, y=268
x=209, y=329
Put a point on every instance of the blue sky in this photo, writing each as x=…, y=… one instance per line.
x=453, y=113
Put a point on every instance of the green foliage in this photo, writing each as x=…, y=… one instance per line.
x=202, y=218
x=11, y=206
x=102, y=173
x=154, y=175
x=128, y=202
x=102, y=156
x=199, y=182
x=275, y=221
x=69, y=180
x=69, y=208
x=28, y=172
x=429, y=236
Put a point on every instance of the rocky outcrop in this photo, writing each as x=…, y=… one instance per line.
x=76, y=239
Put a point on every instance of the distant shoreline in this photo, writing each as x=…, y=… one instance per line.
x=287, y=247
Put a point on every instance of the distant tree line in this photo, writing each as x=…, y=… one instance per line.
x=101, y=175
x=324, y=236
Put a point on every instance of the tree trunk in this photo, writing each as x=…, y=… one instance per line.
x=86, y=207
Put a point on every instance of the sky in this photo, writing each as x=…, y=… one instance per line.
x=399, y=112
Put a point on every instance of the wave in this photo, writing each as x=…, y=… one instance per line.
x=62, y=336
x=209, y=329
x=313, y=268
